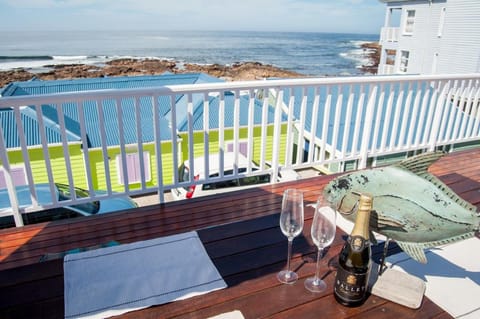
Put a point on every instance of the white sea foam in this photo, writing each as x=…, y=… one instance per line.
x=21, y=64
x=70, y=58
x=359, y=55
x=157, y=37
x=358, y=43
x=42, y=64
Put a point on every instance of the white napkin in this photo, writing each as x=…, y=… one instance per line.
x=114, y=280
x=452, y=276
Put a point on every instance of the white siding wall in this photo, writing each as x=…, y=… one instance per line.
x=457, y=50
x=423, y=42
x=460, y=41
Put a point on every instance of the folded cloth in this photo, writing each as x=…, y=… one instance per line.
x=452, y=276
x=114, y=280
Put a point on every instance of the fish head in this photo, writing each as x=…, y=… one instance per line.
x=343, y=196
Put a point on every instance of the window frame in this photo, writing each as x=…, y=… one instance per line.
x=404, y=60
x=134, y=176
x=409, y=22
x=441, y=23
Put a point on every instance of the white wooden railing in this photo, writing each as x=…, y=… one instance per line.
x=386, y=69
x=332, y=122
x=389, y=34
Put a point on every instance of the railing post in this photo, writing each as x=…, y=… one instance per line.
x=368, y=127
x=158, y=148
x=437, y=117
x=276, y=133
x=12, y=195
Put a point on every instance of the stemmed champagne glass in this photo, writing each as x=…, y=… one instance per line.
x=291, y=223
x=323, y=233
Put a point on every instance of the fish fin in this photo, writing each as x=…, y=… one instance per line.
x=414, y=250
x=388, y=221
x=449, y=192
x=419, y=164
x=446, y=241
x=380, y=222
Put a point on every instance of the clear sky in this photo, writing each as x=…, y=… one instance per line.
x=345, y=16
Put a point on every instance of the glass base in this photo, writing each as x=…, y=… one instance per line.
x=287, y=277
x=315, y=285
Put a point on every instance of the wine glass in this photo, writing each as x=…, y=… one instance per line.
x=323, y=233
x=291, y=223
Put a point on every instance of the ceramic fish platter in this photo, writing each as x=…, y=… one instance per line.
x=410, y=205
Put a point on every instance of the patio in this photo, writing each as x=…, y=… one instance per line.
x=241, y=235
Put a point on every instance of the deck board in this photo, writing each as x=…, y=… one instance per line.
x=240, y=233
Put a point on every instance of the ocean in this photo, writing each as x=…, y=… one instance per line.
x=309, y=53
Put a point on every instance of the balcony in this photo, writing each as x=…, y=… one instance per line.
x=85, y=139
x=389, y=35
x=130, y=142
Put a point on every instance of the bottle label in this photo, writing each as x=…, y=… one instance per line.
x=358, y=243
x=351, y=287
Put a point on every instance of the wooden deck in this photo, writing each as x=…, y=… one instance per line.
x=241, y=234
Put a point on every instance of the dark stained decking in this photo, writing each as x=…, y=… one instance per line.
x=241, y=234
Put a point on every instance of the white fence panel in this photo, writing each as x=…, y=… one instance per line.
x=284, y=123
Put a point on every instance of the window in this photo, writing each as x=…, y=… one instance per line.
x=404, y=56
x=18, y=175
x=242, y=148
x=390, y=56
x=441, y=22
x=409, y=22
x=133, y=168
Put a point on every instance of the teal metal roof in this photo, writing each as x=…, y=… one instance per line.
x=229, y=112
x=34, y=87
x=30, y=125
x=91, y=110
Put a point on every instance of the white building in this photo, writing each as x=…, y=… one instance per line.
x=430, y=37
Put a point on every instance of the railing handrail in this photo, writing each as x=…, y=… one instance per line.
x=9, y=101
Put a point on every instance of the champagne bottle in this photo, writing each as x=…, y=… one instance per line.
x=354, y=261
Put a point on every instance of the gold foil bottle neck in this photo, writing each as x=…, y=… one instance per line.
x=362, y=221
x=366, y=202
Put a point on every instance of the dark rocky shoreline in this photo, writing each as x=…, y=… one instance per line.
x=132, y=67
x=372, y=51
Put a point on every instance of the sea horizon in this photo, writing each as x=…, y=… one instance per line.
x=309, y=53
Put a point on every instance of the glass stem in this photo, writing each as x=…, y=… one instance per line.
x=290, y=241
x=317, y=269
